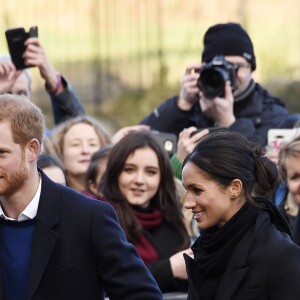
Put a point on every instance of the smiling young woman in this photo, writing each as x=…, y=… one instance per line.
x=245, y=249
x=74, y=142
x=140, y=184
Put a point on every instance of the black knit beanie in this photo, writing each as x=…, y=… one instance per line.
x=228, y=39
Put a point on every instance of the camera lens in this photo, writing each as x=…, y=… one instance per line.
x=212, y=82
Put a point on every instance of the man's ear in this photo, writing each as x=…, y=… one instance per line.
x=33, y=149
x=236, y=187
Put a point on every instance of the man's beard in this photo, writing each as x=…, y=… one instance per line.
x=13, y=182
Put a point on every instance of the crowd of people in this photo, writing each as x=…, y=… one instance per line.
x=87, y=215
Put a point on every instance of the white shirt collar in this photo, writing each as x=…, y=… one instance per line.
x=31, y=209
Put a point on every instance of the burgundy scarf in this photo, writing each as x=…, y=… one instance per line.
x=148, y=220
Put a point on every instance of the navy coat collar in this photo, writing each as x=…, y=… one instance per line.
x=45, y=237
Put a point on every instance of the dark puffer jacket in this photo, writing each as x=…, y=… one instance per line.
x=255, y=114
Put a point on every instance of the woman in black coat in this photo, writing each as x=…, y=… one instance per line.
x=245, y=249
x=140, y=185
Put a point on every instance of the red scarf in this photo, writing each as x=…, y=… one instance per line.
x=148, y=220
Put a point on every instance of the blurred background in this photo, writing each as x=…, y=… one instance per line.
x=124, y=57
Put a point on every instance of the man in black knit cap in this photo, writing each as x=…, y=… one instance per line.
x=243, y=105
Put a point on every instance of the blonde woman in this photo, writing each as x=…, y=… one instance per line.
x=74, y=142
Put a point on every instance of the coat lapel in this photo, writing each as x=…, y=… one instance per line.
x=44, y=237
x=237, y=269
x=192, y=271
x=230, y=283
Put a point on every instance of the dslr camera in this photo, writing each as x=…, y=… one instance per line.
x=213, y=76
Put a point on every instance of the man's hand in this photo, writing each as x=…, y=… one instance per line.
x=8, y=75
x=121, y=133
x=35, y=55
x=178, y=264
x=189, y=93
x=186, y=143
x=220, y=110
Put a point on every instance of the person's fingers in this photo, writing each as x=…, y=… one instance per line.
x=7, y=67
x=192, y=67
x=228, y=90
x=2, y=70
x=141, y=127
x=186, y=132
x=199, y=135
x=137, y=128
x=31, y=41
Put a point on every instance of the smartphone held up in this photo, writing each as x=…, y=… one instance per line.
x=16, y=38
x=167, y=140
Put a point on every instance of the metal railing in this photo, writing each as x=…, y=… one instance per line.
x=171, y=296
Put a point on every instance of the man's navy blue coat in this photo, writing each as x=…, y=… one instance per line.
x=79, y=251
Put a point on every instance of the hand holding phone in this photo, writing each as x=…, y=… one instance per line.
x=16, y=38
x=279, y=137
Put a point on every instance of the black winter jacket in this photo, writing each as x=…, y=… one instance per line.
x=255, y=115
x=263, y=265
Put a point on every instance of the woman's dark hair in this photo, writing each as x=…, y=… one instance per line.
x=96, y=159
x=46, y=160
x=225, y=155
x=166, y=198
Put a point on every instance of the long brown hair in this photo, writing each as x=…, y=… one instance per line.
x=166, y=198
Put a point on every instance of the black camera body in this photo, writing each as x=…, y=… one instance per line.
x=214, y=75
